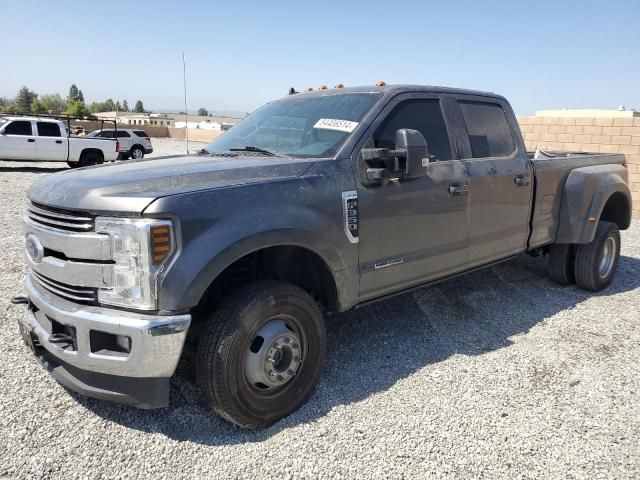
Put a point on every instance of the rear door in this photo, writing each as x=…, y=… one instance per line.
x=413, y=231
x=501, y=180
x=18, y=141
x=125, y=140
x=52, y=145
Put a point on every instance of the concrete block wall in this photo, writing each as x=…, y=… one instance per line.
x=597, y=135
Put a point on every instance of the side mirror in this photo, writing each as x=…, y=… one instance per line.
x=416, y=156
x=408, y=160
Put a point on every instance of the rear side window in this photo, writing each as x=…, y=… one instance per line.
x=48, y=129
x=106, y=134
x=121, y=134
x=140, y=133
x=489, y=131
x=422, y=115
x=19, y=127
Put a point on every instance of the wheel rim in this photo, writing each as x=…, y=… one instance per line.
x=273, y=357
x=608, y=257
x=137, y=153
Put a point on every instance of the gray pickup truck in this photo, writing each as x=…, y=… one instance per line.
x=315, y=204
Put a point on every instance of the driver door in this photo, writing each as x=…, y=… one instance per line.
x=413, y=231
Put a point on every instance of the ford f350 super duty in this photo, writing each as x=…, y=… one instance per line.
x=316, y=203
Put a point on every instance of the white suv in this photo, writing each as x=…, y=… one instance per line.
x=133, y=143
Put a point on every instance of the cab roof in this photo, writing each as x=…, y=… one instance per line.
x=403, y=88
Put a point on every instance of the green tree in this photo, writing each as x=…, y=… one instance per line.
x=37, y=106
x=125, y=106
x=118, y=106
x=97, y=107
x=4, y=104
x=74, y=93
x=81, y=96
x=53, y=103
x=203, y=112
x=139, y=108
x=109, y=105
x=76, y=108
x=24, y=99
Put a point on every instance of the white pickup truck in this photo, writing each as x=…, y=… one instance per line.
x=47, y=139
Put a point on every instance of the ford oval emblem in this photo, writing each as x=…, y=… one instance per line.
x=35, y=250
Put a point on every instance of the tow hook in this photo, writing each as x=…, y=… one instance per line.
x=20, y=300
x=61, y=338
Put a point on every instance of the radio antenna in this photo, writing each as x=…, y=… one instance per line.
x=186, y=111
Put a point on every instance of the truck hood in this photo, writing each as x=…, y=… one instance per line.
x=129, y=187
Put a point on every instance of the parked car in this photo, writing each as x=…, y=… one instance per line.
x=315, y=204
x=133, y=143
x=47, y=139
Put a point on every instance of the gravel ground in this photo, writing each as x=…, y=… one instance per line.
x=499, y=374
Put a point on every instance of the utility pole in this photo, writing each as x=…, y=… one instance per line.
x=186, y=112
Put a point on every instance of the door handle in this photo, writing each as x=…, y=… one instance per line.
x=58, y=141
x=458, y=188
x=31, y=140
x=521, y=180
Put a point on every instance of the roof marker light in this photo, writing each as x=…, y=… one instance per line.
x=309, y=89
x=323, y=87
x=381, y=84
x=339, y=85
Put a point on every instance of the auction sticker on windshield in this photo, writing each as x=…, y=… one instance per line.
x=336, y=124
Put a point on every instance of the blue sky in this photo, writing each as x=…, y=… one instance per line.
x=240, y=54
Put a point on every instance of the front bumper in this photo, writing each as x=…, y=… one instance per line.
x=85, y=365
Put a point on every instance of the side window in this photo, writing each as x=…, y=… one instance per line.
x=106, y=134
x=48, y=129
x=19, y=127
x=489, y=131
x=122, y=134
x=422, y=115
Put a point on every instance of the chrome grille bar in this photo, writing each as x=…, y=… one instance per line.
x=70, y=292
x=59, y=220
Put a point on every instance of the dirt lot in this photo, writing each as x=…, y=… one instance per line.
x=499, y=374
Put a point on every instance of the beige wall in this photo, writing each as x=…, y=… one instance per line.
x=195, y=134
x=601, y=135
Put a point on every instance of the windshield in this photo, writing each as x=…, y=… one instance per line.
x=298, y=126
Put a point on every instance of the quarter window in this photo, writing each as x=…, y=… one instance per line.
x=422, y=115
x=48, y=129
x=19, y=127
x=122, y=134
x=488, y=128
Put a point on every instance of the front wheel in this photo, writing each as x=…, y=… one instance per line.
x=261, y=355
x=596, y=262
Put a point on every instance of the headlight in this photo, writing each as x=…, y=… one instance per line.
x=139, y=247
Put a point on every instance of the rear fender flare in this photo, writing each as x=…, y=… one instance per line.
x=585, y=193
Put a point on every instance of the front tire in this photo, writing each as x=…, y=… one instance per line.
x=261, y=355
x=596, y=262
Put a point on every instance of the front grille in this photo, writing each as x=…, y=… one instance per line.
x=70, y=292
x=66, y=220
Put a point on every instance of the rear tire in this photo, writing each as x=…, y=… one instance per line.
x=561, y=263
x=596, y=262
x=136, y=153
x=90, y=158
x=261, y=355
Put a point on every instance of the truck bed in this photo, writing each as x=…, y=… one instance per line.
x=551, y=170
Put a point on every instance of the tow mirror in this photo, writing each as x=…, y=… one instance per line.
x=408, y=160
x=416, y=156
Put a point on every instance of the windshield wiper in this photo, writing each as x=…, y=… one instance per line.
x=251, y=148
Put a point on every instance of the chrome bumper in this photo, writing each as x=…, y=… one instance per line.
x=156, y=341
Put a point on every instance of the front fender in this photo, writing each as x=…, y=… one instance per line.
x=223, y=229
x=585, y=194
